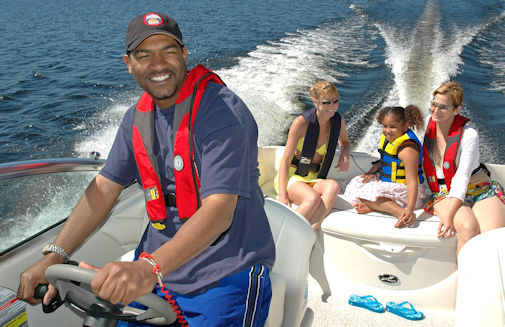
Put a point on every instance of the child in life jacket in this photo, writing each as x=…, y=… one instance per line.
x=394, y=184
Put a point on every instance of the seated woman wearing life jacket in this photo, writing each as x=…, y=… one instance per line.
x=464, y=198
x=312, y=140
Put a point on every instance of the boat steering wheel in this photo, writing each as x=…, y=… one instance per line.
x=68, y=278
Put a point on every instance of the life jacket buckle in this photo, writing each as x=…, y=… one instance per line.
x=170, y=200
x=305, y=160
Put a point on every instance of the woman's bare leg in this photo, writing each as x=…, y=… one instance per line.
x=465, y=223
x=490, y=213
x=314, y=203
x=328, y=189
x=307, y=199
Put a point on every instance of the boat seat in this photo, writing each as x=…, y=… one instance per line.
x=481, y=282
x=276, y=310
x=294, y=239
x=379, y=227
x=344, y=220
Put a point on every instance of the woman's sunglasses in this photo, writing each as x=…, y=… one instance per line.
x=439, y=106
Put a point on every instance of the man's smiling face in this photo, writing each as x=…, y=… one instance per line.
x=159, y=65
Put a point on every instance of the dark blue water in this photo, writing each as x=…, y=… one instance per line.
x=64, y=87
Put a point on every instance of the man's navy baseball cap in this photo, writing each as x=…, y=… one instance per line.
x=145, y=25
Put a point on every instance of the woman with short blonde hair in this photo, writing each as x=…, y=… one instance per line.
x=309, y=150
x=464, y=197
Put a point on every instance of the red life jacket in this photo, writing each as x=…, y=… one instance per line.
x=187, y=182
x=451, y=151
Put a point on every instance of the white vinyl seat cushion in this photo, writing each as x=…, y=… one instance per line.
x=276, y=311
x=294, y=239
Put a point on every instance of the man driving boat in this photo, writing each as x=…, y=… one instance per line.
x=208, y=240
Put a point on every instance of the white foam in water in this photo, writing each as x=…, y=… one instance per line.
x=272, y=80
x=493, y=54
x=103, y=129
x=275, y=78
x=55, y=194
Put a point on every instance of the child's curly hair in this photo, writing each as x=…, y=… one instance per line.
x=410, y=114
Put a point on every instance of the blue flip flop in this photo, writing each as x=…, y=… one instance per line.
x=366, y=301
x=403, y=310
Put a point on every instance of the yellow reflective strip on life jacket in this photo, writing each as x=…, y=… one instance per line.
x=154, y=193
x=383, y=139
x=393, y=171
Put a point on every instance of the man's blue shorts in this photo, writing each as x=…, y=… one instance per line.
x=242, y=299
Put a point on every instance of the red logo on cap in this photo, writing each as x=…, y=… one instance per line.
x=153, y=19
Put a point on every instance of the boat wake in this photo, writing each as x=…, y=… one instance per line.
x=420, y=61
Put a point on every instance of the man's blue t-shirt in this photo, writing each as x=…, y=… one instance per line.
x=225, y=143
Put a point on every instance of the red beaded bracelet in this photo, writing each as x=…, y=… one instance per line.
x=156, y=270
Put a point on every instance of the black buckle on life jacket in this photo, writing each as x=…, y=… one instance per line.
x=311, y=166
x=170, y=200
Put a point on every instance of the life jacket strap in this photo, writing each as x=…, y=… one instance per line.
x=384, y=153
x=389, y=176
x=475, y=171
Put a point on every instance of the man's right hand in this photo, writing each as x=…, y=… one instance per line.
x=35, y=275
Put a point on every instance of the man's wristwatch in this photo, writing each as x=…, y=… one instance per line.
x=56, y=249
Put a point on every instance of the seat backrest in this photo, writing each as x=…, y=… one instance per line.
x=269, y=160
x=294, y=238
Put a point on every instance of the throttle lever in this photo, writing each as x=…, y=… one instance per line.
x=56, y=302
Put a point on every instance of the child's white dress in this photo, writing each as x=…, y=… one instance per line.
x=373, y=190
